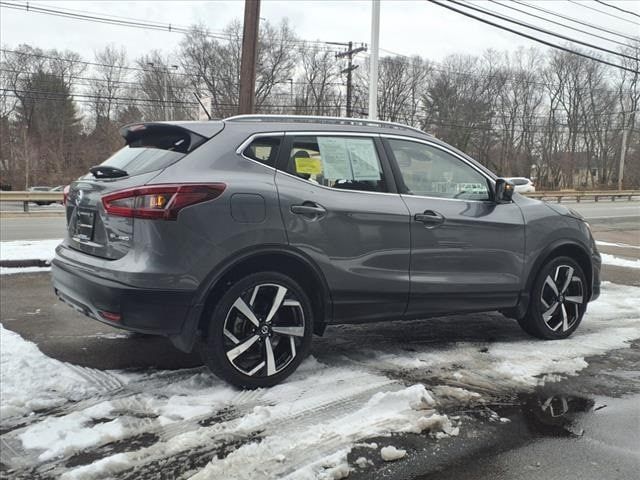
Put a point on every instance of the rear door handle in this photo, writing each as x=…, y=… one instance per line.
x=429, y=218
x=310, y=209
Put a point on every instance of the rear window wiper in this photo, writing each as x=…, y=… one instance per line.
x=105, y=171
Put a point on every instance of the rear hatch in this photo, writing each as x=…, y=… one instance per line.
x=150, y=148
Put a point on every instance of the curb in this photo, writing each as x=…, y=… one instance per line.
x=24, y=263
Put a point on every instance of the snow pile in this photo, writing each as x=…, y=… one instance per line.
x=29, y=249
x=391, y=453
x=439, y=426
x=32, y=381
x=619, y=262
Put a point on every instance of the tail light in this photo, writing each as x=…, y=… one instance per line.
x=162, y=202
x=65, y=195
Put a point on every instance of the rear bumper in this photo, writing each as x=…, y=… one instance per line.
x=158, y=312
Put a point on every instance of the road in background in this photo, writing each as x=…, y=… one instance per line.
x=33, y=227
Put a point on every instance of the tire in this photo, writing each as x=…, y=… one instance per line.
x=559, y=298
x=249, y=344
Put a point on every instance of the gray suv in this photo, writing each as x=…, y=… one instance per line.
x=246, y=236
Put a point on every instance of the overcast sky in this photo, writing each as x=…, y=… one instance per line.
x=407, y=27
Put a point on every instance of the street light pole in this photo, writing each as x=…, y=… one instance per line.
x=165, y=88
x=373, y=72
x=623, y=148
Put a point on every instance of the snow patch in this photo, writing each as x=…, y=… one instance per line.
x=29, y=249
x=12, y=271
x=620, y=245
x=619, y=262
x=391, y=453
x=32, y=381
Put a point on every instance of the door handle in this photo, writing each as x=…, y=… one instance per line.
x=310, y=209
x=429, y=218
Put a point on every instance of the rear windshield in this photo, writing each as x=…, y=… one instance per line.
x=519, y=181
x=137, y=160
x=153, y=148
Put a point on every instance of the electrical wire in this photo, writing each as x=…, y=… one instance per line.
x=604, y=13
x=511, y=7
x=134, y=23
x=531, y=37
x=580, y=22
x=491, y=13
x=618, y=8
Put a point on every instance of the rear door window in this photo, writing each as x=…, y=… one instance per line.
x=264, y=150
x=340, y=162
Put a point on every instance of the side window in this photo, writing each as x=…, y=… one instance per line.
x=264, y=150
x=432, y=172
x=346, y=163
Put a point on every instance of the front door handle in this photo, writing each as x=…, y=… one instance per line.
x=310, y=209
x=429, y=218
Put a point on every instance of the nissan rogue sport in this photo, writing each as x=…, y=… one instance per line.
x=246, y=236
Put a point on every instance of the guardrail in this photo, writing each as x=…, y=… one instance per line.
x=52, y=197
x=596, y=195
x=39, y=198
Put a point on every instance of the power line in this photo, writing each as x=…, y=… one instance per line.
x=605, y=13
x=590, y=25
x=132, y=22
x=538, y=29
x=618, y=8
x=511, y=7
x=531, y=37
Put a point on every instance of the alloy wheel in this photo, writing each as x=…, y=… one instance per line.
x=264, y=330
x=562, y=297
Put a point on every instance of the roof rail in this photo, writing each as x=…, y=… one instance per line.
x=363, y=122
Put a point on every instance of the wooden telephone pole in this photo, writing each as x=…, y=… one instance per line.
x=249, y=53
x=349, y=53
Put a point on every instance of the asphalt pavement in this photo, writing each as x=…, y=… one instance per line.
x=49, y=222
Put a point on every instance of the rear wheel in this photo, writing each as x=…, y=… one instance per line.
x=260, y=331
x=558, y=300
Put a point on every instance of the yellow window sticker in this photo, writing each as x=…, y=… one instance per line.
x=312, y=166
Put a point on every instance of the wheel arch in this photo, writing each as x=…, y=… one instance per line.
x=568, y=248
x=562, y=247
x=279, y=259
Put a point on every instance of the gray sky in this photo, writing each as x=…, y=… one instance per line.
x=407, y=27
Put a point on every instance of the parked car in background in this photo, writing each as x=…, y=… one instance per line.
x=41, y=189
x=248, y=235
x=59, y=188
x=522, y=184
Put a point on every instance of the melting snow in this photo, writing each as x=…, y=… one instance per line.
x=391, y=453
x=302, y=429
x=619, y=262
x=29, y=249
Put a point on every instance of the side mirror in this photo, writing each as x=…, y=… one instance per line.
x=503, y=191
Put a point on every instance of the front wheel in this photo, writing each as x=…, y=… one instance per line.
x=558, y=300
x=260, y=331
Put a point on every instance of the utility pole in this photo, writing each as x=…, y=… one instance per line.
x=249, y=53
x=373, y=72
x=349, y=53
